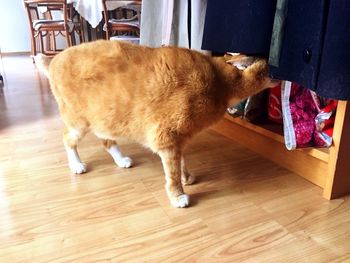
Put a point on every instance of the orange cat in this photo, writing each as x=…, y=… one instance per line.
x=159, y=97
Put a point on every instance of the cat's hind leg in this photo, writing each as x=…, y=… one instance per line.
x=113, y=149
x=186, y=177
x=171, y=160
x=71, y=137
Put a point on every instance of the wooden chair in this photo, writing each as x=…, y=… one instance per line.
x=73, y=16
x=44, y=26
x=126, y=26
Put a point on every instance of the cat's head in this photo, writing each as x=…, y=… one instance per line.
x=247, y=63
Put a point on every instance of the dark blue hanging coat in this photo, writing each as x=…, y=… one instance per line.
x=314, y=48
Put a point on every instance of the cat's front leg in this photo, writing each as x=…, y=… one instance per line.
x=171, y=160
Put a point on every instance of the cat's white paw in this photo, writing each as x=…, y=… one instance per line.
x=181, y=201
x=124, y=162
x=78, y=168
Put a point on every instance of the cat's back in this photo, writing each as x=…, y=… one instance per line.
x=105, y=59
x=113, y=69
x=94, y=58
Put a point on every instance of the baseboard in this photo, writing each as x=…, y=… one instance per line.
x=17, y=53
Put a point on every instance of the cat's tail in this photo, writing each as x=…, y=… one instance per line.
x=42, y=63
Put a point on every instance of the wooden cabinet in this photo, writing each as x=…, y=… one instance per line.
x=327, y=168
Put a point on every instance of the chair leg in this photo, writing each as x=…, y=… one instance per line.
x=72, y=36
x=50, y=38
x=41, y=43
x=47, y=41
x=67, y=38
x=54, y=41
x=81, y=34
x=33, y=46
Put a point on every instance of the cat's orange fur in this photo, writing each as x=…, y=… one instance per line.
x=159, y=97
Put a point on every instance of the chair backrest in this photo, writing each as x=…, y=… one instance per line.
x=119, y=4
x=51, y=5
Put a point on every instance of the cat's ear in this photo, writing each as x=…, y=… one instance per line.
x=240, y=61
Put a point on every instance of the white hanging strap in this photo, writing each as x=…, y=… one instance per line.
x=288, y=127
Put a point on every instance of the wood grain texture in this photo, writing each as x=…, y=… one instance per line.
x=307, y=166
x=338, y=181
x=244, y=208
x=275, y=131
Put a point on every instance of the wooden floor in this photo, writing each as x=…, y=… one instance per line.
x=244, y=208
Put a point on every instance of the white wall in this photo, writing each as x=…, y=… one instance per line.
x=14, y=29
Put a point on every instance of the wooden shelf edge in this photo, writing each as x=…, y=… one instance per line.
x=338, y=179
x=256, y=128
x=319, y=153
x=300, y=162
